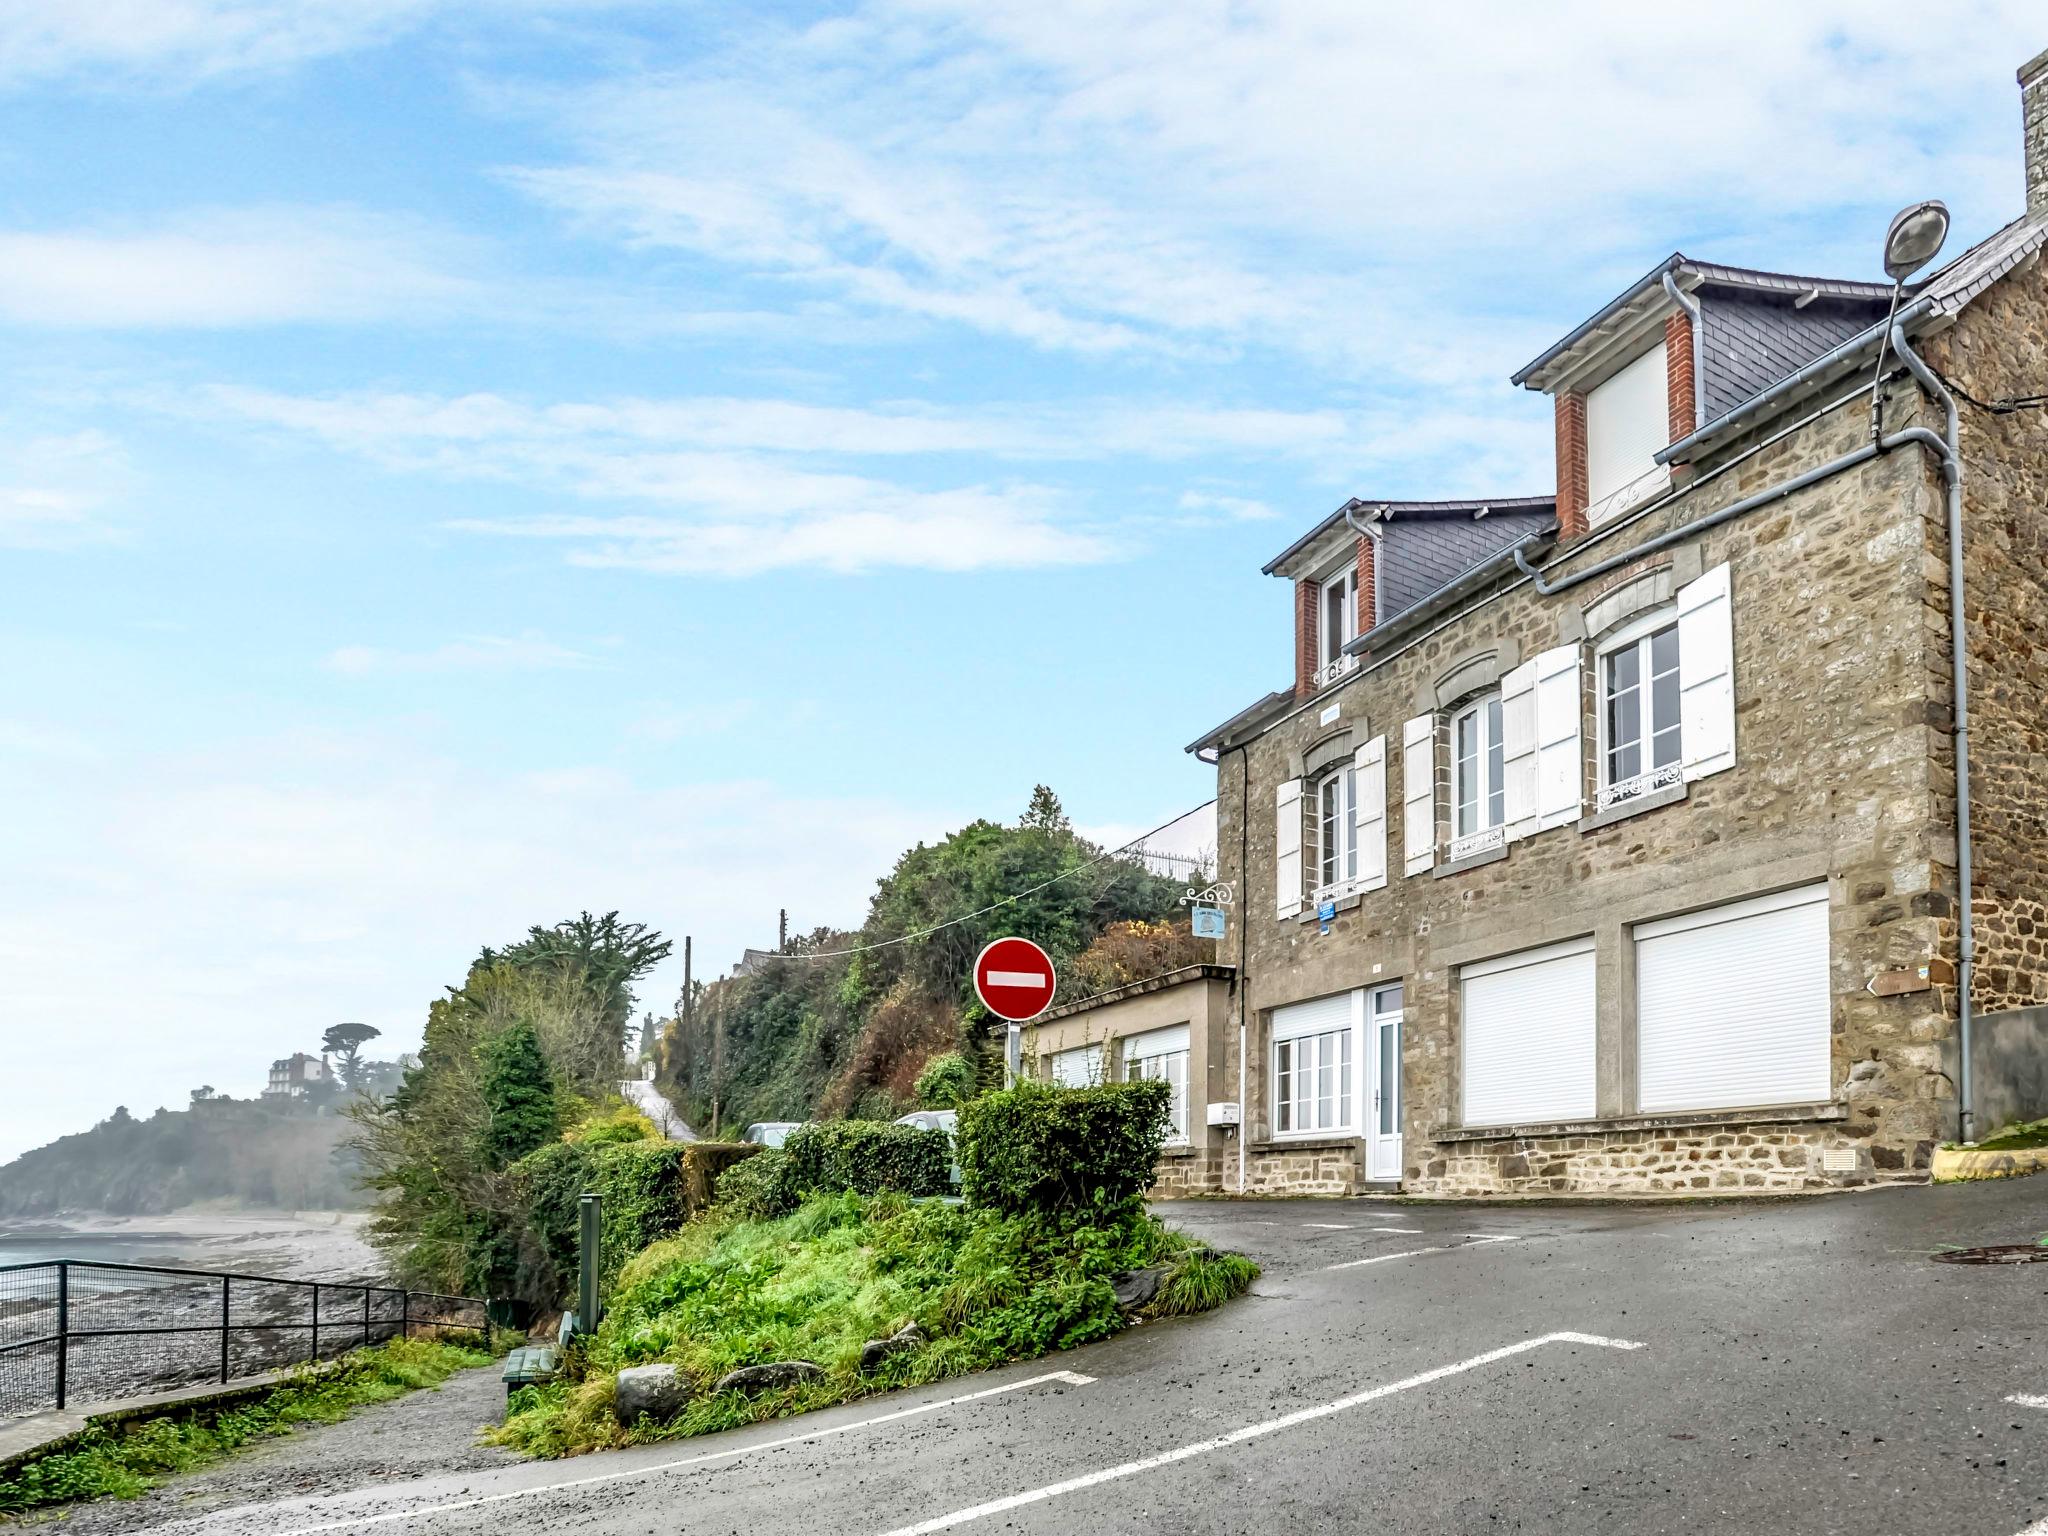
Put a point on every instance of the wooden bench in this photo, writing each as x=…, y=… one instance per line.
x=531, y=1366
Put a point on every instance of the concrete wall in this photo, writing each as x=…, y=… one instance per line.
x=1199, y=998
x=1835, y=780
x=2009, y=1056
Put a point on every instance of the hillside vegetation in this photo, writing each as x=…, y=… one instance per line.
x=255, y=1154
x=816, y=1033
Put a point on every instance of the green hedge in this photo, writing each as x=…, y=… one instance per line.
x=1040, y=1147
x=758, y=1189
x=645, y=1188
x=868, y=1157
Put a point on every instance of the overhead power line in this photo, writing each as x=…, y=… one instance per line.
x=968, y=917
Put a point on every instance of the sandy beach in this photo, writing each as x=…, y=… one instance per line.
x=322, y=1245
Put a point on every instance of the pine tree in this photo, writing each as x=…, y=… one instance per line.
x=519, y=1091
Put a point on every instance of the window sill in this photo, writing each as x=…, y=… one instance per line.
x=1176, y=1150
x=1313, y=1141
x=1471, y=861
x=1655, y=800
x=1782, y=1114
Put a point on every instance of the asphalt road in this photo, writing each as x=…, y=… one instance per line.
x=1761, y=1367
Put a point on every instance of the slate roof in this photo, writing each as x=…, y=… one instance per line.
x=1749, y=341
x=1421, y=553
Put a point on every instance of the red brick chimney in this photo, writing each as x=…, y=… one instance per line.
x=1571, y=465
x=1307, y=612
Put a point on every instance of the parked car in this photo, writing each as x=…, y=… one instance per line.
x=770, y=1133
x=947, y=1120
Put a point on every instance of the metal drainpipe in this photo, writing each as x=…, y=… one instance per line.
x=1966, y=928
x=1244, y=909
x=1691, y=306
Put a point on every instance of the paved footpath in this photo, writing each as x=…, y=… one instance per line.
x=1783, y=1367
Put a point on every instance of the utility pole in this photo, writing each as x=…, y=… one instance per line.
x=782, y=933
x=688, y=1009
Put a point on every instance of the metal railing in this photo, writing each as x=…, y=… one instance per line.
x=73, y=1330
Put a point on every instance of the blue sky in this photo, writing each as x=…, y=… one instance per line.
x=460, y=464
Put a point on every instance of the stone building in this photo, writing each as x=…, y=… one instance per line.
x=1607, y=840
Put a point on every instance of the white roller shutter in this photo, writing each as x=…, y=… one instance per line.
x=1518, y=749
x=1313, y=1018
x=1733, y=1005
x=1528, y=1033
x=1418, y=793
x=1369, y=807
x=1706, y=674
x=1080, y=1067
x=1156, y=1042
x=1560, y=765
x=1628, y=419
x=1287, y=846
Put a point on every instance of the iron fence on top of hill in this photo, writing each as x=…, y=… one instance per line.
x=74, y=1331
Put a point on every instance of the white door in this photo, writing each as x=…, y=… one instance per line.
x=1383, y=1047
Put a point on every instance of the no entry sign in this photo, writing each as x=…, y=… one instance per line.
x=1013, y=978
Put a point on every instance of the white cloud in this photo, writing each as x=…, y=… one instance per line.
x=55, y=488
x=527, y=652
x=232, y=267
x=1240, y=509
x=252, y=894
x=188, y=41
x=1321, y=178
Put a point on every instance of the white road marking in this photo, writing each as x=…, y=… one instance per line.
x=1334, y=1226
x=1248, y=1432
x=1018, y=978
x=1404, y=1231
x=1411, y=1253
x=2029, y=1399
x=1071, y=1378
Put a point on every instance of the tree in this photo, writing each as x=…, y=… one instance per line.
x=606, y=954
x=1045, y=813
x=347, y=1042
x=519, y=1093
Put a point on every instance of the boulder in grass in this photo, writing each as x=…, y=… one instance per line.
x=654, y=1391
x=770, y=1377
x=1135, y=1288
x=876, y=1351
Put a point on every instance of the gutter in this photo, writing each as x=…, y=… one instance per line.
x=1758, y=405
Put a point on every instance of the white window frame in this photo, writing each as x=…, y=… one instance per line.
x=1336, y=856
x=1489, y=824
x=1331, y=660
x=1162, y=1055
x=1329, y=1044
x=1637, y=636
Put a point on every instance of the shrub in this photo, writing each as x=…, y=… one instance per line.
x=622, y=1125
x=704, y=1164
x=946, y=1082
x=1039, y=1147
x=644, y=1188
x=868, y=1157
x=757, y=1189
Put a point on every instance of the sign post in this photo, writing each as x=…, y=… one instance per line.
x=1014, y=980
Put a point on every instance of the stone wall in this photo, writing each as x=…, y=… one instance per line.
x=1835, y=780
x=1999, y=348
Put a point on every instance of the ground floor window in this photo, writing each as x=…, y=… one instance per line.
x=1161, y=1055
x=1733, y=1005
x=1080, y=1067
x=1312, y=1074
x=1527, y=1028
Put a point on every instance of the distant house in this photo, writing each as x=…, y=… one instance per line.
x=295, y=1074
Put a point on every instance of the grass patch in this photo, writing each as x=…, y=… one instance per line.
x=123, y=1461
x=2016, y=1138
x=843, y=1269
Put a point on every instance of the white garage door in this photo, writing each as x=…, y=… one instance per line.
x=1733, y=1005
x=1528, y=1028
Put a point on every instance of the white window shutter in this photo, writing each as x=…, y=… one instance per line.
x=1287, y=846
x=1369, y=800
x=1518, y=749
x=1560, y=767
x=1706, y=674
x=1418, y=793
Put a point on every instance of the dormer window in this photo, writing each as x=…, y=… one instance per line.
x=1338, y=624
x=1628, y=419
